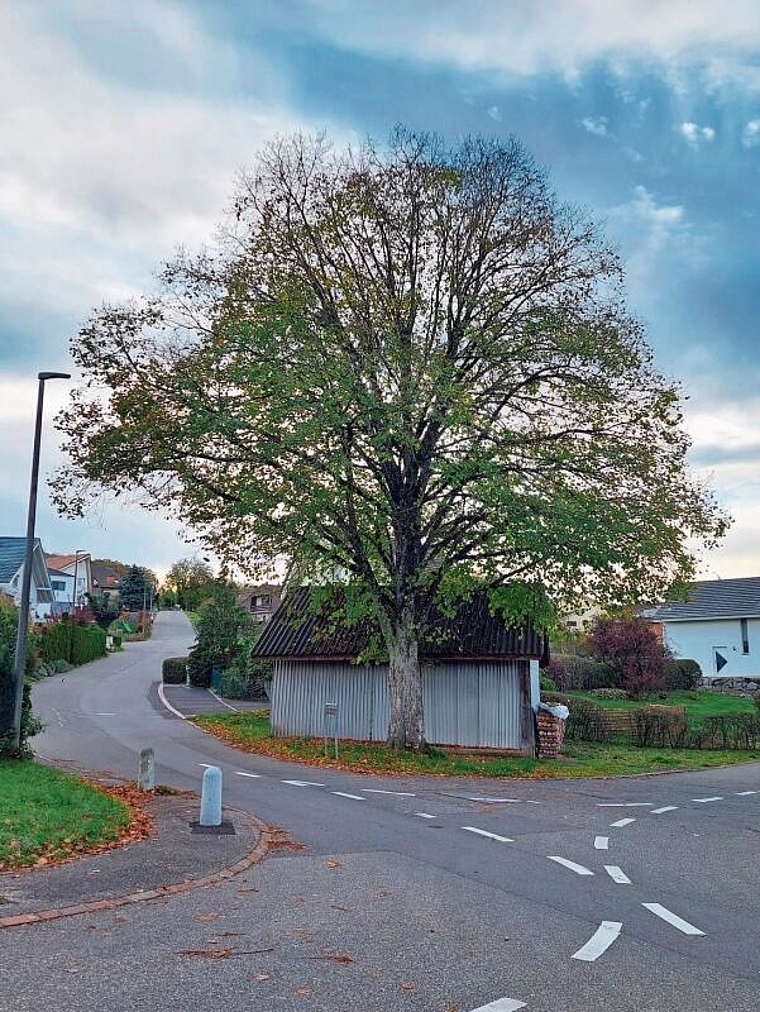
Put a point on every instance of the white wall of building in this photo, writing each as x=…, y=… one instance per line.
x=65, y=593
x=699, y=641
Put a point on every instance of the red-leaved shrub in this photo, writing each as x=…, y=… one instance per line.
x=633, y=649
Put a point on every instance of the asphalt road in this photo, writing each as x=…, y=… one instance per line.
x=416, y=893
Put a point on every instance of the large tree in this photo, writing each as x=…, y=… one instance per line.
x=411, y=365
x=191, y=580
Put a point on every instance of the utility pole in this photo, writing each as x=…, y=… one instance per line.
x=26, y=579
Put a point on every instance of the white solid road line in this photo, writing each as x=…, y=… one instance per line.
x=704, y=801
x=424, y=815
x=354, y=797
x=490, y=836
x=599, y=942
x=743, y=794
x=617, y=874
x=665, y=808
x=301, y=783
x=497, y=801
x=620, y=823
x=105, y=714
x=579, y=869
x=667, y=915
x=601, y=843
x=398, y=794
x=239, y=773
x=223, y=701
x=167, y=704
x=501, y=1005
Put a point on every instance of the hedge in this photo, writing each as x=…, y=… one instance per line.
x=64, y=641
x=681, y=674
x=572, y=672
x=174, y=670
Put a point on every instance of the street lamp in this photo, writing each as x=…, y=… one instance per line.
x=26, y=580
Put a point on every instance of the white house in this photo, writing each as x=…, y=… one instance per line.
x=41, y=596
x=65, y=570
x=718, y=627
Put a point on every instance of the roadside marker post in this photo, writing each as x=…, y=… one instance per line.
x=331, y=725
x=146, y=774
x=211, y=797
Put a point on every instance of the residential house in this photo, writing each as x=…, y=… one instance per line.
x=262, y=601
x=105, y=582
x=66, y=571
x=480, y=677
x=718, y=626
x=41, y=596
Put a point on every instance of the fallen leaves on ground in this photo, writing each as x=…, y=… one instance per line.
x=204, y=918
x=408, y=985
x=260, y=977
x=342, y=958
x=333, y=862
x=221, y=953
x=279, y=839
x=302, y=992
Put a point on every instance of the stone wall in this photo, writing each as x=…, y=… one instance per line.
x=746, y=686
x=551, y=734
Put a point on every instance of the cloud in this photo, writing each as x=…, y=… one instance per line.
x=520, y=38
x=695, y=135
x=596, y=125
x=494, y=112
x=751, y=134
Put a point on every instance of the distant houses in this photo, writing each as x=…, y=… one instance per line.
x=262, y=601
x=718, y=626
x=70, y=578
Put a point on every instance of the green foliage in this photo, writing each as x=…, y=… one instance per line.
x=546, y=683
x=104, y=610
x=188, y=583
x=135, y=588
x=571, y=671
x=66, y=641
x=756, y=698
x=8, y=625
x=729, y=731
x=586, y=721
x=247, y=679
x=681, y=674
x=173, y=670
x=421, y=371
x=7, y=695
x=87, y=644
x=659, y=727
x=609, y=694
x=221, y=629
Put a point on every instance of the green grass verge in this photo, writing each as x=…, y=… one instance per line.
x=48, y=814
x=250, y=732
x=195, y=617
x=699, y=703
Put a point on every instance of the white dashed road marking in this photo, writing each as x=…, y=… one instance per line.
x=207, y=766
x=490, y=836
x=398, y=794
x=301, y=783
x=354, y=797
x=617, y=874
x=665, y=808
x=743, y=794
x=620, y=823
x=424, y=815
x=501, y=1005
x=667, y=915
x=704, y=801
x=579, y=869
x=625, y=804
x=497, y=801
x=599, y=942
x=601, y=843
x=239, y=773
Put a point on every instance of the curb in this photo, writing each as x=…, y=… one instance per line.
x=268, y=836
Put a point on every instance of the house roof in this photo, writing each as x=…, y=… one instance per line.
x=58, y=572
x=711, y=599
x=104, y=576
x=12, y=556
x=57, y=561
x=295, y=631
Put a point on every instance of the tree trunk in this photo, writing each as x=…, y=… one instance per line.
x=405, y=687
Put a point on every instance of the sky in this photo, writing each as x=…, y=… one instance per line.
x=123, y=124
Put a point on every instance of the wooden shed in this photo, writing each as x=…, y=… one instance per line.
x=480, y=677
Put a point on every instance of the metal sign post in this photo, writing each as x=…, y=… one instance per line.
x=331, y=725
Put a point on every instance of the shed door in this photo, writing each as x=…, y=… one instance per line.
x=720, y=660
x=473, y=704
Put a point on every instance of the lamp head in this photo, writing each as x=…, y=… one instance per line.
x=54, y=375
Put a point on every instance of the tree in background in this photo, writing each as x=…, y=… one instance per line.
x=135, y=589
x=103, y=609
x=120, y=568
x=190, y=580
x=632, y=648
x=410, y=365
x=223, y=631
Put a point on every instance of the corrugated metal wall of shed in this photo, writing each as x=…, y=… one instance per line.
x=472, y=703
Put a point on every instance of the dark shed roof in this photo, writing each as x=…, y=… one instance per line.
x=12, y=551
x=713, y=599
x=294, y=631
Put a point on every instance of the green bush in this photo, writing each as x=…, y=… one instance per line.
x=116, y=641
x=586, y=721
x=173, y=670
x=88, y=643
x=61, y=667
x=75, y=644
x=730, y=731
x=680, y=674
x=251, y=682
x=546, y=683
x=573, y=672
x=756, y=698
x=659, y=727
x=556, y=697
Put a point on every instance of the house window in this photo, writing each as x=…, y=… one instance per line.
x=58, y=584
x=745, y=636
x=262, y=601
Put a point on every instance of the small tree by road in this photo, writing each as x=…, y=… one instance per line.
x=408, y=364
x=190, y=580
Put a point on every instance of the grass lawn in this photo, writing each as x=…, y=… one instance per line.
x=46, y=815
x=250, y=732
x=699, y=703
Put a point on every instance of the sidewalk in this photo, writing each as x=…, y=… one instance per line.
x=172, y=860
x=188, y=701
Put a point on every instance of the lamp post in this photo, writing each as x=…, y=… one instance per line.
x=26, y=579
x=73, y=615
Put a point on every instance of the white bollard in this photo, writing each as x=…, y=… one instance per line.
x=211, y=797
x=146, y=775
